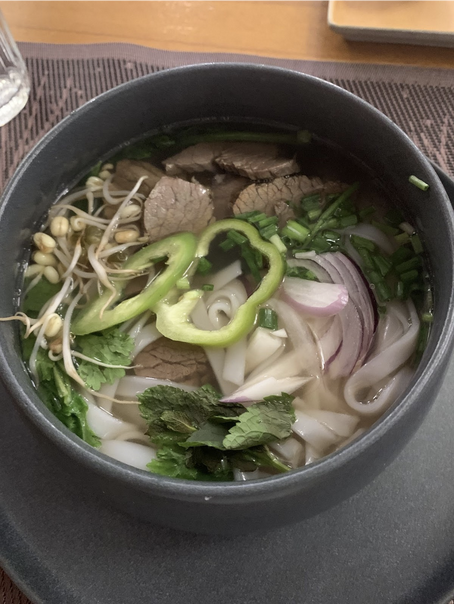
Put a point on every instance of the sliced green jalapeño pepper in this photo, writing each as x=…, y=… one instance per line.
x=173, y=318
x=180, y=251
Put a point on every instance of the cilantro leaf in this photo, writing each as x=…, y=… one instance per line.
x=38, y=296
x=44, y=365
x=58, y=395
x=110, y=346
x=172, y=413
x=66, y=404
x=262, y=423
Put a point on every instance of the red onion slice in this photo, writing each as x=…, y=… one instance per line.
x=315, y=298
x=359, y=295
x=346, y=359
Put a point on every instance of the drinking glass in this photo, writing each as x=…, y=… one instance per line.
x=14, y=82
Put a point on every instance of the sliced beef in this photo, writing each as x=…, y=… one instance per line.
x=257, y=160
x=195, y=159
x=128, y=172
x=180, y=362
x=175, y=205
x=225, y=189
x=265, y=197
x=252, y=160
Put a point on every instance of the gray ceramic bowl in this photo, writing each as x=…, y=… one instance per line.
x=237, y=92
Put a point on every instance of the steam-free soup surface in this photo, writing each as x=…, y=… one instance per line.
x=223, y=305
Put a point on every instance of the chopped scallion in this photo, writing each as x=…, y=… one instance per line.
x=227, y=245
x=268, y=231
x=412, y=263
x=236, y=237
x=312, y=202
x=332, y=236
x=267, y=221
x=383, y=265
x=348, y=221
x=367, y=258
x=401, y=254
x=416, y=243
x=383, y=291
x=359, y=242
x=208, y=287
x=409, y=276
x=314, y=214
x=295, y=231
x=267, y=318
x=328, y=213
x=278, y=244
x=402, y=238
x=259, y=217
x=204, y=266
x=249, y=257
x=301, y=272
x=418, y=183
x=386, y=229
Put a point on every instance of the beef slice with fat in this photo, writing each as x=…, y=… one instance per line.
x=128, y=172
x=267, y=197
x=175, y=205
x=257, y=160
x=174, y=361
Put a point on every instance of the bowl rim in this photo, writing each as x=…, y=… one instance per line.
x=90, y=457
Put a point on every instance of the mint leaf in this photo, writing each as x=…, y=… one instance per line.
x=262, y=423
x=202, y=438
x=210, y=434
x=172, y=413
x=260, y=456
x=38, y=296
x=111, y=346
x=175, y=462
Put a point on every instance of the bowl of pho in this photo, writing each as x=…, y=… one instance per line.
x=227, y=295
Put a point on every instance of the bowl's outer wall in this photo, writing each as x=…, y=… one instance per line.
x=236, y=92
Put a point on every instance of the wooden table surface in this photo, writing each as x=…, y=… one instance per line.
x=296, y=30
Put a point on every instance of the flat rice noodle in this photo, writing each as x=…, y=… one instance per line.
x=130, y=453
x=290, y=450
x=385, y=364
x=313, y=432
x=341, y=424
x=300, y=335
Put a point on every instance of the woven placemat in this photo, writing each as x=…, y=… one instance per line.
x=63, y=77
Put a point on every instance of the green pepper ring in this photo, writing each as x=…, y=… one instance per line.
x=172, y=319
x=180, y=250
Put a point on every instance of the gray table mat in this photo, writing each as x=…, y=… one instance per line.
x=63, y=77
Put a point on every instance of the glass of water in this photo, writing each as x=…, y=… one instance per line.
x=14, y=82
